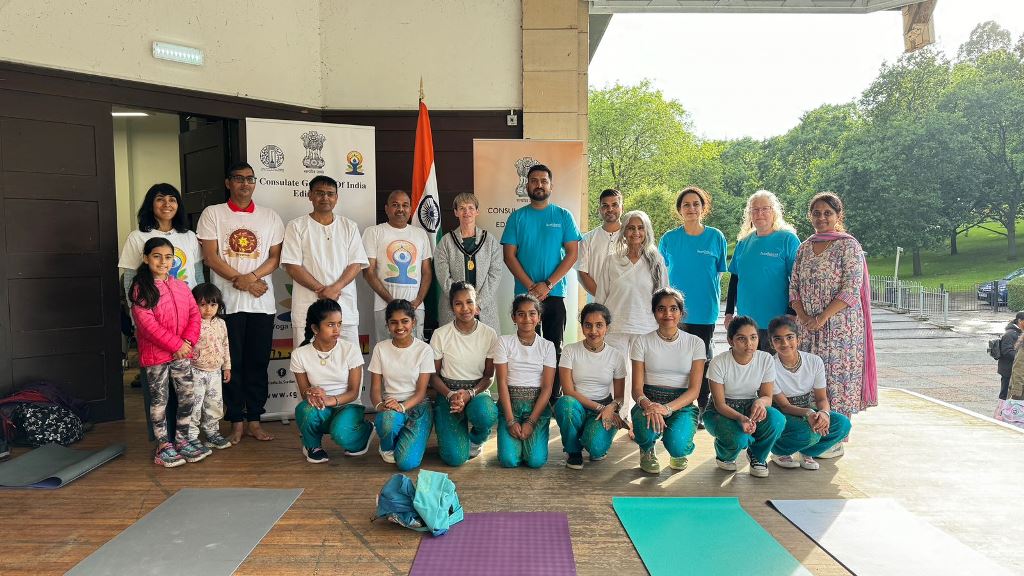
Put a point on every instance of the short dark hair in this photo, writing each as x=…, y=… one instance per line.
x=399, y=305
x=596, y=308
x=1019, y=316
x=609, y=192
x=460, y=286
x=705, y=198
x=668, y=291
x=146, y=216
x=321, y=179
x=737, y=323
x=540, y=168
x=207, y=292
x=520, y=299
x=237, y=166
x=787, y=321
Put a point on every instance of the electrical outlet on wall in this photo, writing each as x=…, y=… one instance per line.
x=512, y=119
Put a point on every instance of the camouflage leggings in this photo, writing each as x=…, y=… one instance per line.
x=179, y=372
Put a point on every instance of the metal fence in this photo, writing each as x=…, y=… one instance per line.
x=934, y=304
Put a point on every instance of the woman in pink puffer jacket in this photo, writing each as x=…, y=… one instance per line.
x=167, y=326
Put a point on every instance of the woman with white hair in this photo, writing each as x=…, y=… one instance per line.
x=634, y=272
x=761, y=264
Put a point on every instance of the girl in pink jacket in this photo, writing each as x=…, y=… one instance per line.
x=167, y=325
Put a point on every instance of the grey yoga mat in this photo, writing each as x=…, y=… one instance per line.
x=196, y=531
x=875, y=536
x=53, y=466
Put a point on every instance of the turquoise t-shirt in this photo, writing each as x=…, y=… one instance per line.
x=695, y=266
x=763, y=264
x=538, y=236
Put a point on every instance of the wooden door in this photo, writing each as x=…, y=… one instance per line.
x=59, y=293
x=204, y=156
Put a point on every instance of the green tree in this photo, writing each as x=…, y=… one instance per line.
x=986, y=37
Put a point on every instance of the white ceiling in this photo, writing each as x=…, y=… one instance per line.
x=749, y=6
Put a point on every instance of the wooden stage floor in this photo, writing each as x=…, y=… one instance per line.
x=957, y=471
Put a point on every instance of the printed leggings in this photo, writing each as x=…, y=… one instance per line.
x=179, y=373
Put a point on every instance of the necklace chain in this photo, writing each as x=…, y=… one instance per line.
x=665, y=338
x=594, y=349
x=795, y=366
x=476, y=323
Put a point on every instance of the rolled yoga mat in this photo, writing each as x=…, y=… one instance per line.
x=499, y=544
x=706, y=536
x=53, y=466
x=874, y=536
x=195, y=531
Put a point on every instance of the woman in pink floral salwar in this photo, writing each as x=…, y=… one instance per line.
x=830, y=294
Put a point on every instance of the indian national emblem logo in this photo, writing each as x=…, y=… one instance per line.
x=243, y=243
x=313, y=142
x=523, y=166
x=355, y=163
x=272, y=156
x=429, y=214
x=401, y=263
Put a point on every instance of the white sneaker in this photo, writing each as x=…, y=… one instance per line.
x=387, y=455
x=729, y=465
x=833, y=452
x=785, y=461
x=475, y=449
x=809, y=463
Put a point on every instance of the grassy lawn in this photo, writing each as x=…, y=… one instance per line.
x=982, y=257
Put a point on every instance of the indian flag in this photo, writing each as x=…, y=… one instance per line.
x=427, y=213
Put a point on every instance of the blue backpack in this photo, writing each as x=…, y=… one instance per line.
x=432, y=505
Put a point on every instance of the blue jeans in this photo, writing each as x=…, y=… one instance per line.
x=345, y=424
x=581, y=428
x=455, y=432
x=677, y=436
x=798, y=436
x=730, y=439
x=532, y=452
x=405, y=434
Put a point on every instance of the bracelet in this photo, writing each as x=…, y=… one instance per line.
x=472, y=393
x=402, y=406
x=451, y=393
x=618, y=405
x=378, y=405
x=510, y=423
x=337, y=400
x=670, y=411
x=641, y=399
x=531, y=422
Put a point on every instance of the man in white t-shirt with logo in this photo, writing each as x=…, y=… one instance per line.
x=323, y=254
x=598, y=244
x=242, y=246
x=400, y=262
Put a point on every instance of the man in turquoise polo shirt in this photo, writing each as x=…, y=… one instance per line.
x=540, y=245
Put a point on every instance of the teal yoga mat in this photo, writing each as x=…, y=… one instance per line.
x=706, y=536
x=53, y=466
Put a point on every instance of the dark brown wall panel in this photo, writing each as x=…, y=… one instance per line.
x=60, y=217
x=35, y=311
x=48, y=147
x=77, y=374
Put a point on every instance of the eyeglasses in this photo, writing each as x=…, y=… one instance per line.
x=760, y=209
x=242, y=179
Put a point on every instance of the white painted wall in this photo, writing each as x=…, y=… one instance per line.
x=145, y=153
x=264, y=49
x=370, y=55
x=469, y=53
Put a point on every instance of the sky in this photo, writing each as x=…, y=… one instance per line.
x=755, y=74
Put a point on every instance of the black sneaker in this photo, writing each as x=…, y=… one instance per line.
x=315, y=456
x=574, y=461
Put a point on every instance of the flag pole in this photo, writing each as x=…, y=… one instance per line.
x=421, y=88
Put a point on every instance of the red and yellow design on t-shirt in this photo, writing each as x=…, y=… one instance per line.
x=243, y=243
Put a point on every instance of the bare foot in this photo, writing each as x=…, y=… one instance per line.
x=257, y=432
x=236, y=432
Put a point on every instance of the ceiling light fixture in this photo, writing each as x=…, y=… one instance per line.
x=178, y=53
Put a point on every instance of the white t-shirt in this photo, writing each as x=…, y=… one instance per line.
x=626, y=289
x=399, y=253
x=463, y=356
x=332, y=377
x=809, y=377
x=244, y=240
x=325, y=252
x=667, y=364
x=525, y=363
x=742, y=382
x=187, y=254
x=593, y=372
x=401, y=367
x=595, y=250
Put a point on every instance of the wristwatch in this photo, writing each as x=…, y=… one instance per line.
x=547, y=283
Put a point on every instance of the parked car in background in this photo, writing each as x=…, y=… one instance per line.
x=985, y=290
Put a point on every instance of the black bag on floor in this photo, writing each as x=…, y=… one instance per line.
x=40, y=424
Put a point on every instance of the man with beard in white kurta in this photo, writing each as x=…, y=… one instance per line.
x=323, y=253
x=598, y=245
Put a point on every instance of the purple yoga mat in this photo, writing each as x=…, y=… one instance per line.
x=500, y=544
